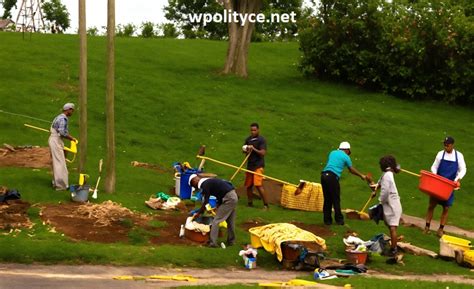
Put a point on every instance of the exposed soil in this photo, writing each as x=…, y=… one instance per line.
x=272, y=191
x=13, y=215
x=66, y=218
x=26, y=157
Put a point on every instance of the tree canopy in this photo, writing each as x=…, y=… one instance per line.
x=178, y=11
x=56, y=13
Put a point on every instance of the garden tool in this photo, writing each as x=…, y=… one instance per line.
x=202, y=157
x=72, y=148
x=240, y=167
x=83, y=179
x=94, y=195
x=361, y=215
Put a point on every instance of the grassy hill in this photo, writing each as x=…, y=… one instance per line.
x=170, y=99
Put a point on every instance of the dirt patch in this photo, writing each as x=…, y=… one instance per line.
x=109, y=224
x=13, y=215
x=319, y=231
x=272, y=190
x=26, y=157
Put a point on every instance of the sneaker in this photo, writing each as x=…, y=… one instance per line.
x=211, y=245
x=426, y=231
x=440, y=232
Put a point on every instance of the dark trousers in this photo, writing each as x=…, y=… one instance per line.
x=332, y=197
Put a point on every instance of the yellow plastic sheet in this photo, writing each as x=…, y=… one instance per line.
x=271, y=236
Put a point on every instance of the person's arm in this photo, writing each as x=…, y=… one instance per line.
x=354, y=171
x=261, y=152
x=435, y=165
x=462, y=169
x=206, y=195
x=63, y=129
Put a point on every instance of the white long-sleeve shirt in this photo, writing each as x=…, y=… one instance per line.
x=451, y=157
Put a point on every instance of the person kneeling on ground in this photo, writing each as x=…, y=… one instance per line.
x=226, y=203
x=389, y=198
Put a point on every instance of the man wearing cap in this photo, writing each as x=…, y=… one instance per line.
x=226, y=203
x=59, y=130
x=449, y=163
x=337, y=161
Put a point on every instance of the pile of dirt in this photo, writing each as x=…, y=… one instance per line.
x=110, y=222
x=25, y=157
x=272, y=190
x=13, y=215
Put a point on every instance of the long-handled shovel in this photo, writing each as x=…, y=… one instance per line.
x=94, y=195
x=240, y=167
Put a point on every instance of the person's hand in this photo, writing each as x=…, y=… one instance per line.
x=196, y=215
x=250, y=148
x=458, y=185
x=374, y=187
x=363, y=177
x=373, y=194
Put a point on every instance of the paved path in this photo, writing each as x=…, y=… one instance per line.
x=419, y=222
x=16, y=276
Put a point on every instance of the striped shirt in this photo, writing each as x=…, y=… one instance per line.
x=60, y=125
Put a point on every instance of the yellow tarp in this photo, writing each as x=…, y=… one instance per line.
x=271, y=236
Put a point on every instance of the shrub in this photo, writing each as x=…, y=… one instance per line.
x=418, y=50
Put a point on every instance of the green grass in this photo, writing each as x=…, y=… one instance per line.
x=170, y=99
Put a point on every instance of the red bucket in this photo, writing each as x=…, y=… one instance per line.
x=436, y=186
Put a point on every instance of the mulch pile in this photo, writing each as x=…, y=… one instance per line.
x=13, y=215
x=25, y=157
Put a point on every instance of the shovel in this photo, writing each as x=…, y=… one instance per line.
x=362, y=215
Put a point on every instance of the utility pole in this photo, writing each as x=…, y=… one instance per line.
x=82, y=87
x=109, y=99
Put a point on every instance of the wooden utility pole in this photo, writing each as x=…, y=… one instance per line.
x=110, y=114
x=82, y=87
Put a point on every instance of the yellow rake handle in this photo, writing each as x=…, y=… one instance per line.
x=71, y=149
x=245, y=170
x=410, y=173
x=241, y=165
x=368, y=201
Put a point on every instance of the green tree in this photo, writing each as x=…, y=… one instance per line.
x=239, y=33
x=169, y=30
x=92, y=31
x=56, y=13
x=148, y=30
x=7, y=7
x=126, y=30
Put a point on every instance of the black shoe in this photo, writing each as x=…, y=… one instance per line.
x=327, y=223
x=228, y=244
x=341, y=223
x=211, y=245
x=250, y=205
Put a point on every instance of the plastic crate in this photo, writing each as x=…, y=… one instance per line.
x=468, y=257
x=449, y=244
x=310, y=199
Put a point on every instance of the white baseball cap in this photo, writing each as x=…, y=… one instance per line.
x=190, y=178
x=68, y=106
x=345, y=146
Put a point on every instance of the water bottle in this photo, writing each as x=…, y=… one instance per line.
x=181, y=231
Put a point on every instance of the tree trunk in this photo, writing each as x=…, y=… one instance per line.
x=239, y=36
x=82, y=87
x=110, y=94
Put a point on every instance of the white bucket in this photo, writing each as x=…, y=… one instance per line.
x=177, y=185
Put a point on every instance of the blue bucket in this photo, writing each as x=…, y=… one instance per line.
x=213, y=201
x=184, y=187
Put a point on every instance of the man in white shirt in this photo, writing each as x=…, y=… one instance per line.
x=449, y=163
